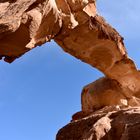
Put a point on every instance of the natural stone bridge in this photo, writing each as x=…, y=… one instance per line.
x=80, y=31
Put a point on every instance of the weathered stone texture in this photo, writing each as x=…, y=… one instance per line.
x=75, y=26
x=106, y=124
x=80, y=31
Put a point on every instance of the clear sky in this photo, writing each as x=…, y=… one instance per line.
x=40, y=91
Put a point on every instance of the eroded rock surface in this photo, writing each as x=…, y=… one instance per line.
x=106, y=92
x=75, y=26
x=80, y=31
x=111, y=123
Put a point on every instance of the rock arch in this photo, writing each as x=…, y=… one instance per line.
x=77, y=28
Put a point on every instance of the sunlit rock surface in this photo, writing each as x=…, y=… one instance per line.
x=110, y=123
x=80, y=31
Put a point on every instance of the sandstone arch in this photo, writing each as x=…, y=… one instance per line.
x=76, y=27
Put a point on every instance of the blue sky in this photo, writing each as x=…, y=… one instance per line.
x=41, y=90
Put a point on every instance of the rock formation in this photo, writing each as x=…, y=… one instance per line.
x=80, y=31
x=117, y=124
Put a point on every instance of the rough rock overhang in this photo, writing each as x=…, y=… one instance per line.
x=76, y=27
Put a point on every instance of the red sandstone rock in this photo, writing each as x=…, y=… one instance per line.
x=75, y=26
x=106, y=92
x=81, y=32
x=106, y=124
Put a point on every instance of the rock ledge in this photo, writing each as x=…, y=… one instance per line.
x=109, y=123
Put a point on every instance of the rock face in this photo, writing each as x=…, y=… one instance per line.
x=80, y=31
x=106, y=92
x=76, y=27
x=106, y=124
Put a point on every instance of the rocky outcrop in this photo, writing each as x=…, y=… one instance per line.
x=106, y=92
x=110, y=123
x=75, y=26
x=80, y=31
